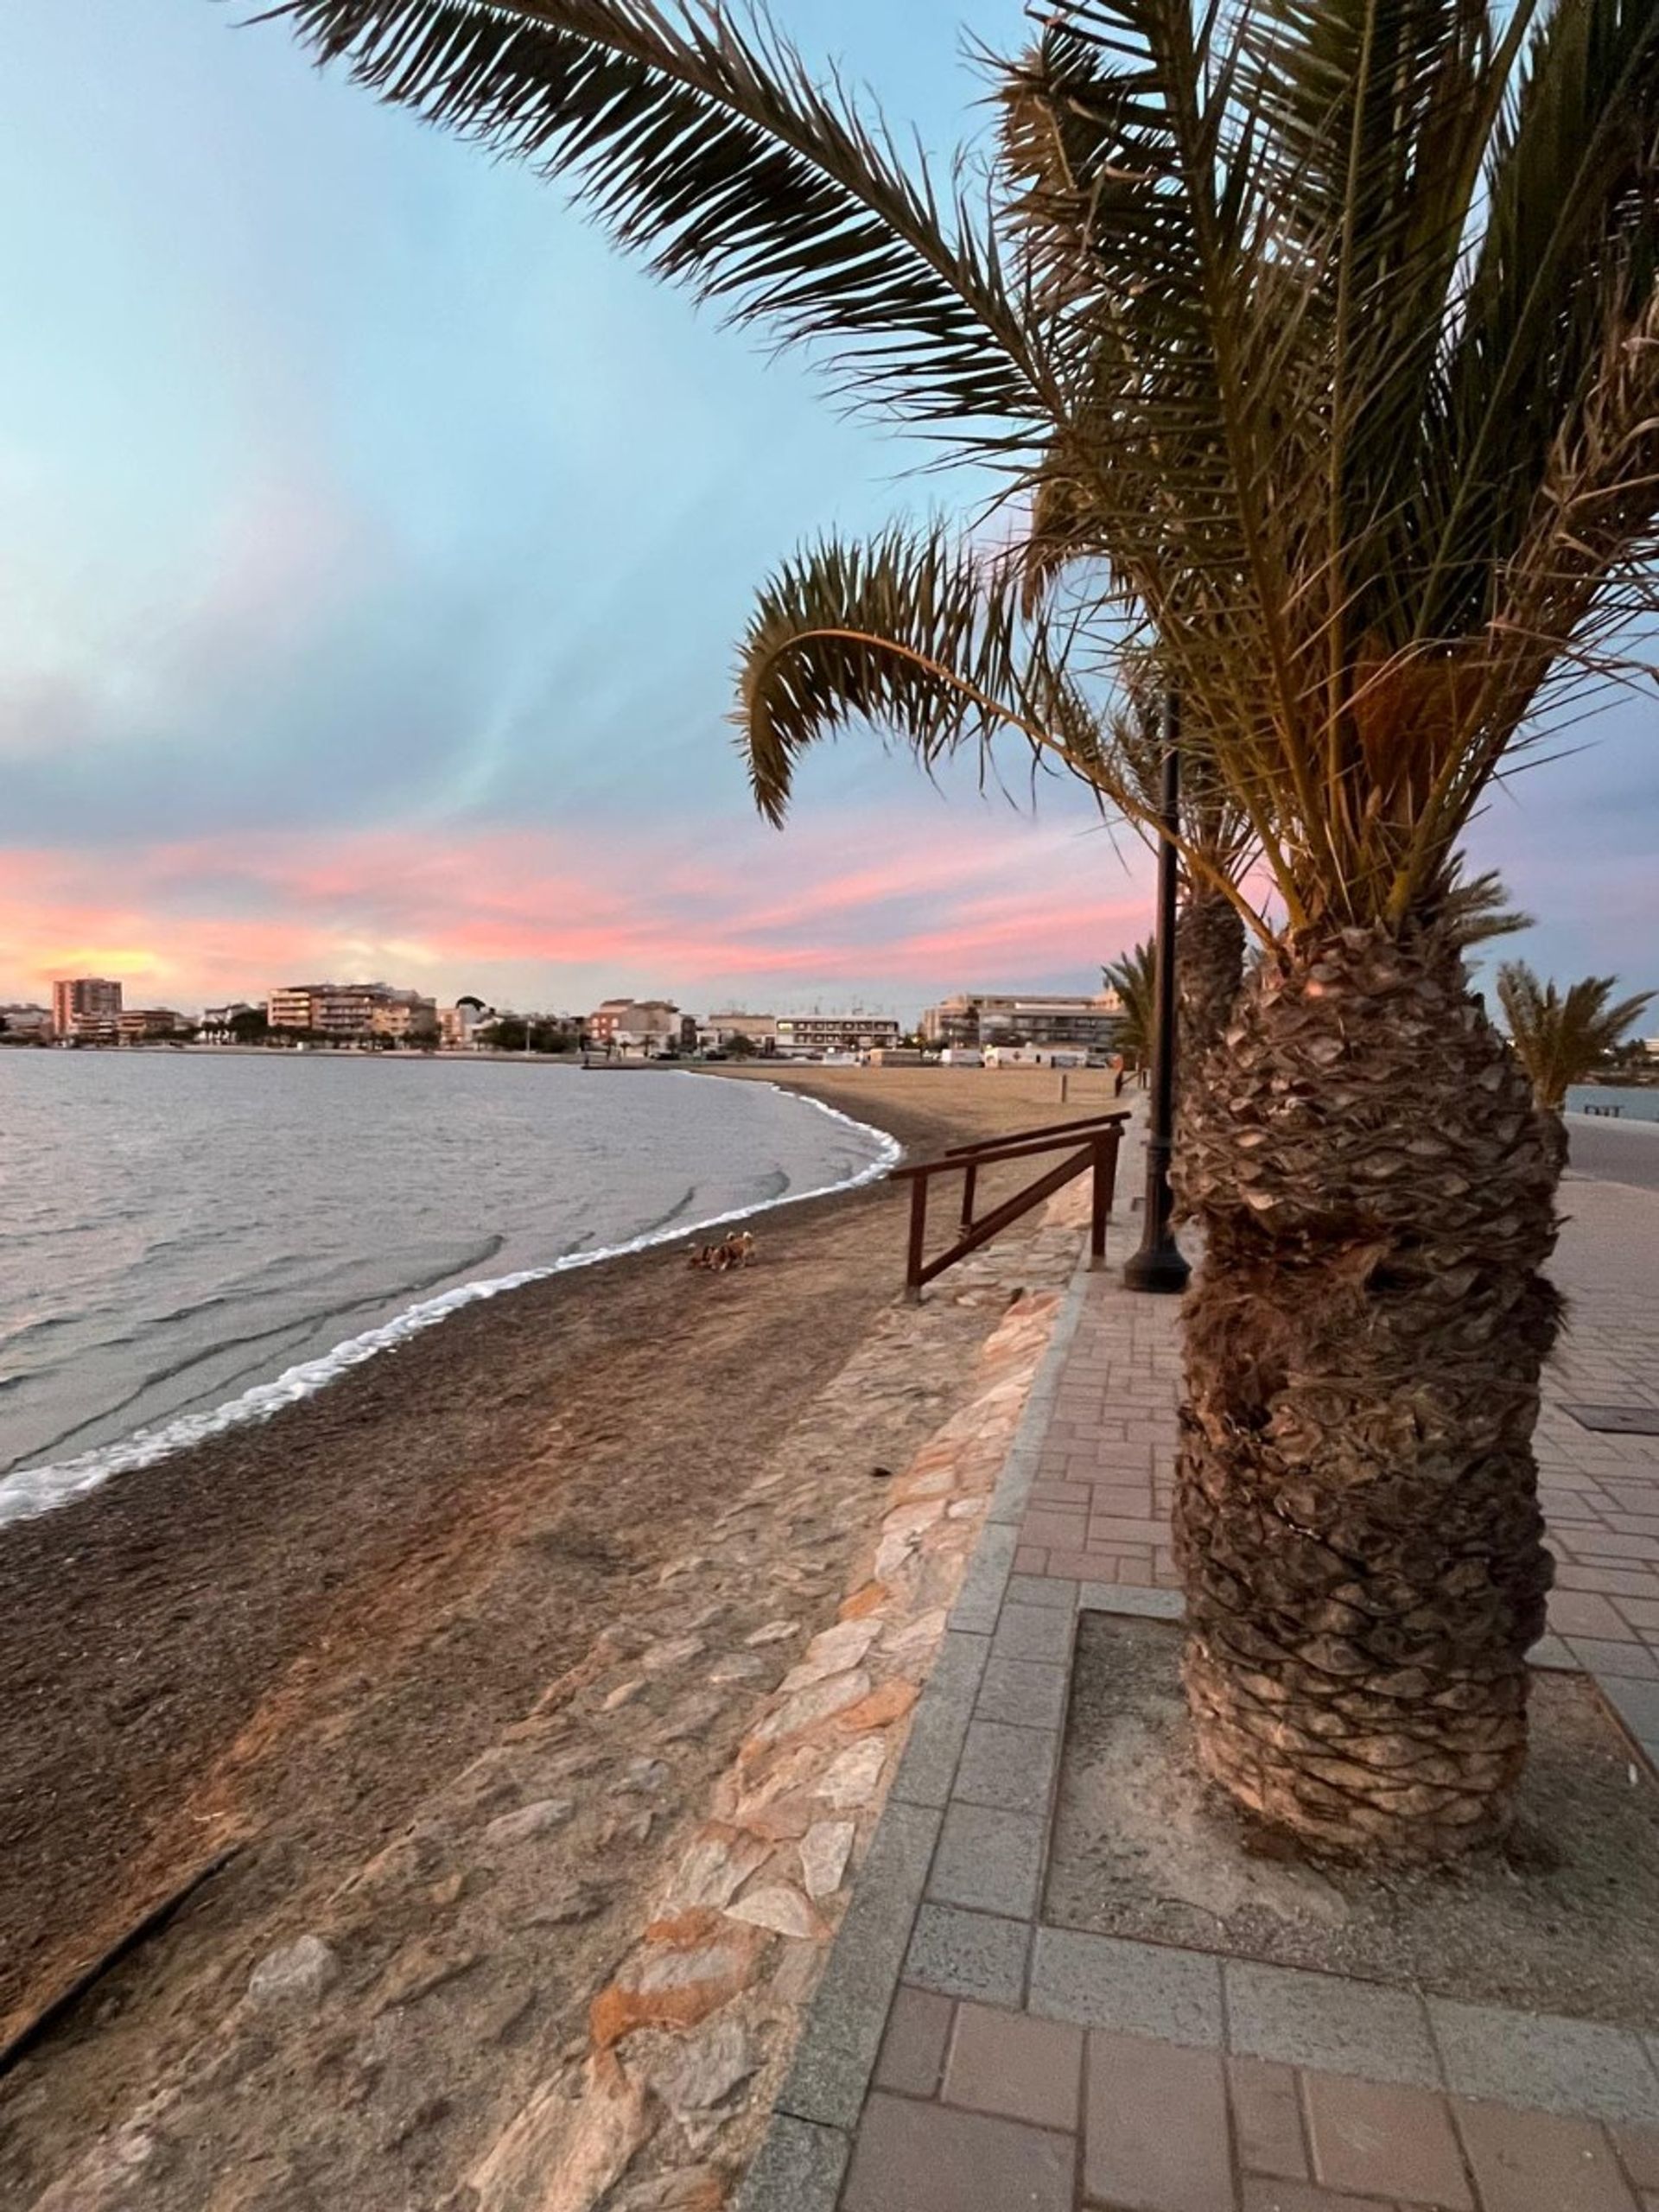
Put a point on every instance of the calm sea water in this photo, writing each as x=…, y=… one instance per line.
x=1624, y=1100
x=192, y=1240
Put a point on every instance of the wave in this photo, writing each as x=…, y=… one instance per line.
x=33, y=1490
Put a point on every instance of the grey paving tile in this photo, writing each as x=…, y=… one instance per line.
x=1042, y=1590
x=841, y=2033
x=980, y=1600
x=1555, y=1656
x=914, y=2157
x=1636, y=1704
x=797, y=2169
x=989, y=1859
x=1009, y=1767
x=1325, y=2020
x=1553, y=2064
x=1033, y=1632
x=912, y=2050
x=1025, y=1691
x=962, y=1954
x=1145, y=1989
x=939, y=1723
x=1124, y=1598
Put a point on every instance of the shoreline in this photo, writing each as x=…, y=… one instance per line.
x=278, y=1642
x=28, y=1492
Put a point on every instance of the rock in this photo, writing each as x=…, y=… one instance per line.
x=796, y=1974
x=692, y=2189
x=294, y=1973
x=621, y=1694
x=416, y=1971
x=737, y=1667
x=832, y=1653
x=715, y=1866
x=686, y=1968
x=880, y=1709
x=695, y=1718
x=693, y=2074
x=571, y=1902
x=529, y=1820
x=863, y=1601
x=808, y=1708
x=781, y=1907
x=825, y=1849
x=853, y=1778
x=919, y=1635
x=774, y=1632
x=558, y=2157
x=641, y=1777
x=662, y=1658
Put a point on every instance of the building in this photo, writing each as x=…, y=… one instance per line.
x=760, y=1030
x=458, y=1024
x=86, y=1006
x=352, y=1013
x=982, y=1018
x=25, y=1023
x=648, y=1026
x=143, y=1025
x=801, y=1034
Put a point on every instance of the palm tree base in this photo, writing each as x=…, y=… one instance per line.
x=1356, y=1513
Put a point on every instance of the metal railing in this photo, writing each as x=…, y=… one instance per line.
x=1092, y=1143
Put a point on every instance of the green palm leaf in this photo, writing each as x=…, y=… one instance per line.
x=712, y=151
x=1561, y=1037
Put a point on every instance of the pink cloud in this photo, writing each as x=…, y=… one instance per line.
x=555, y=918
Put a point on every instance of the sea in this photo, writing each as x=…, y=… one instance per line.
x=1626, y=1102
x=195, y=1239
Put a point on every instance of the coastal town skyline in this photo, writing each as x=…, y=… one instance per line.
x=367, y=623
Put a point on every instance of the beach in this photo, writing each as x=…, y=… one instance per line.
x=262, y=1656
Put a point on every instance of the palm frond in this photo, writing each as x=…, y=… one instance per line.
x=916, y=633
x=710, y=148
x=1134, y=976
x=1562, y=1037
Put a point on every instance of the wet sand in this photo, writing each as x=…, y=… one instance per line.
x=285, y=1638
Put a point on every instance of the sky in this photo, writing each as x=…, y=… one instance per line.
x=373, y=543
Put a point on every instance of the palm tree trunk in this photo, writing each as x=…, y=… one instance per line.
x=1356, y=1512
x=1209, y=969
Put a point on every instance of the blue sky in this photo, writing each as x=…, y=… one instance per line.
x=372, y=545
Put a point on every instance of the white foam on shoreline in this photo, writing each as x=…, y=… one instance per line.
x=33, y=1490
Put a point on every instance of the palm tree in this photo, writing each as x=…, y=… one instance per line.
x=1562, y=1037
x=1320, y=338
x=1133, y=975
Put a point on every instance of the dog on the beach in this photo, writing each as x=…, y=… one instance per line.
x=737, y=1250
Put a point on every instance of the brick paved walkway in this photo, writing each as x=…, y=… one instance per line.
x=965, y=2057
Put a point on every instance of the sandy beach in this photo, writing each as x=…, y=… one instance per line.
x=277, y=1646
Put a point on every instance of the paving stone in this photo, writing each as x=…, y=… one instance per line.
x=1558, y=2065
x=1637, y=1706
x=1008, y=2063
x=1261, y=2196
x=1040, y=1590
x=1006, y=1766
x=1318, y=2019
x=1266, y=2118
x=912, y=2050
x=1033, y=1632
x=1638, y=2150
x=969, y=1954
x=1553, y=1655
x=1632, y=1660
x=930, y=2158
x=1155, y=2126
x=797, y=2169
x=1387, y=2139
x=980, y=1600
x=1023, y=1691
x=1581, y=1612
x=989, y=1860
x=1127, y=1598
x=940, y=1722
x=1538, y=2162
x=1147, y=1989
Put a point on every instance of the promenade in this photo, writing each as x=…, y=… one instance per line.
x=965, y=2054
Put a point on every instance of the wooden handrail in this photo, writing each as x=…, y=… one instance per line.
x=1096, y=1141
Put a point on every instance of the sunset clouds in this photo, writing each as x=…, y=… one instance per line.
x=372, y=545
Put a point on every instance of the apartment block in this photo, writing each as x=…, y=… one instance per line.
x=982, y=1018
x=85, y=1007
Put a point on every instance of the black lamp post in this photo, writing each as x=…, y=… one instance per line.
x=1158, y=1266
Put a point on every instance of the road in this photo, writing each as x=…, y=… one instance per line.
x=1614, y=1151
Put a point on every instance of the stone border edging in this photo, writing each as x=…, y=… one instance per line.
x=803, y=2155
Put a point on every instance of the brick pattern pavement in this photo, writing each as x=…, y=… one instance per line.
x=974, y=2060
